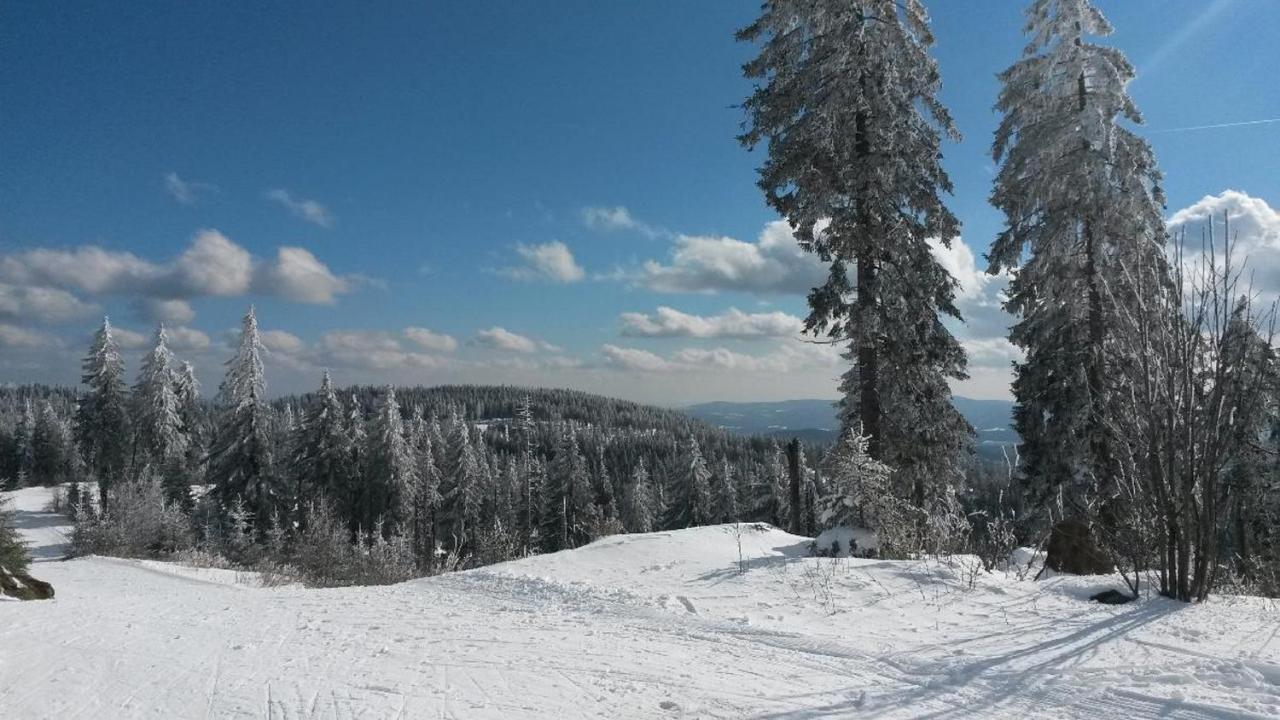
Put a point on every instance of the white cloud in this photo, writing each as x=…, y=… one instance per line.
x=499, y=338
x=166, y=311
x=297, y=275
x=551, y=261
x=41, y=305
x=130, y=339
x=972, y=282
x=186, y=192
x=1253, y=222
x=212, y=265
x=430, y=341
x=1254, y=228
x=996, y=351
x=185, y=339
x=634, y=359
x=773, y=264
x=617, y=218
x=309, y=210
x=279, y=341
x=14, y=337
x=668, y=322
x=786, y=357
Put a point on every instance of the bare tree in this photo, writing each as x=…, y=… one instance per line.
x=1191, y=356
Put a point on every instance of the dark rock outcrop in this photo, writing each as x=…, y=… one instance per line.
x=22, y=586
x=1112, y=597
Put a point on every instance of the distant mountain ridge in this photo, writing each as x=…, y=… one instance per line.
x=815, y=421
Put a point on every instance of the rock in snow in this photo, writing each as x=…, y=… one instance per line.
x=662, y=625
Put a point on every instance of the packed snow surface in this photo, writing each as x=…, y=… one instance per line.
x=663, y=625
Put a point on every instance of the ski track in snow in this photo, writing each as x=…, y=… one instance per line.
x=645, y=626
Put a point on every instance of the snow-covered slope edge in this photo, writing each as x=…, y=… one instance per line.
x=657, y=625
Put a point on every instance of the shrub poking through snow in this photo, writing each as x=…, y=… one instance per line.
x=138, y=521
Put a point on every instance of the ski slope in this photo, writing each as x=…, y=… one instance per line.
x=663, y=625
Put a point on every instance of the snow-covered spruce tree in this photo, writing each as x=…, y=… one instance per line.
x=322, y=463
x=689, y=502
x=846, y=99
x=771, y=495
x=157, y=413
x=390, y=480
x=725, y=495
x=50, y=451
x=241, y=465
x=426, y=495
x=570, y=512
x=639, y=505
x=1081, y=199
x=187, y=389
x=348, y=507
x=604, y=485
x=461, y=490
x=860, y=495
x=102, y=418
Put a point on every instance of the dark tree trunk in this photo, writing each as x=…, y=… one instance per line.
x=793, y=468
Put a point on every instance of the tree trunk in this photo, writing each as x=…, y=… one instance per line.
x=793, y=469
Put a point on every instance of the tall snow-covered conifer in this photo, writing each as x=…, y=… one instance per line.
x=639, y=505
x=689, y=503
x=570, y=510
x=1082, y=203
x=846, y=100
x=323, y=462
x=390, y=477
x=241, y=466
x=157, y=412
x=102, y=419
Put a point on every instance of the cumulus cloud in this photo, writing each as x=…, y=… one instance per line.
x=773, y=264
x=364, y=350
x=430, y=341
x=1252, y=221
x=185, y=339
x=165, y=311
x=130, y=339
x=41, y=305
x=617, y=218
x=1254, y=227
x=14, y=337
x=211, y=265
x=309, y=210
x=669, y=322
x=186, y=192
x=551, y=261
x=297, y=275
x=991, y=351
x=634, y=359
x=784, y=358
x=279, y=341
x=498, y=338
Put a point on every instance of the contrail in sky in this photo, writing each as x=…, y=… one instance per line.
x=1268, y=121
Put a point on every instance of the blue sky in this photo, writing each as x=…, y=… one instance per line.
x=426, y=159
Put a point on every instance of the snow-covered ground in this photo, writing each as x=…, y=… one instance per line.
x=665, y=625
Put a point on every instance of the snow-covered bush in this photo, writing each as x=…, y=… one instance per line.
x=860, y=494
x=947, y=530
x=324, y=555
x=137, y=521
x=13, y=553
